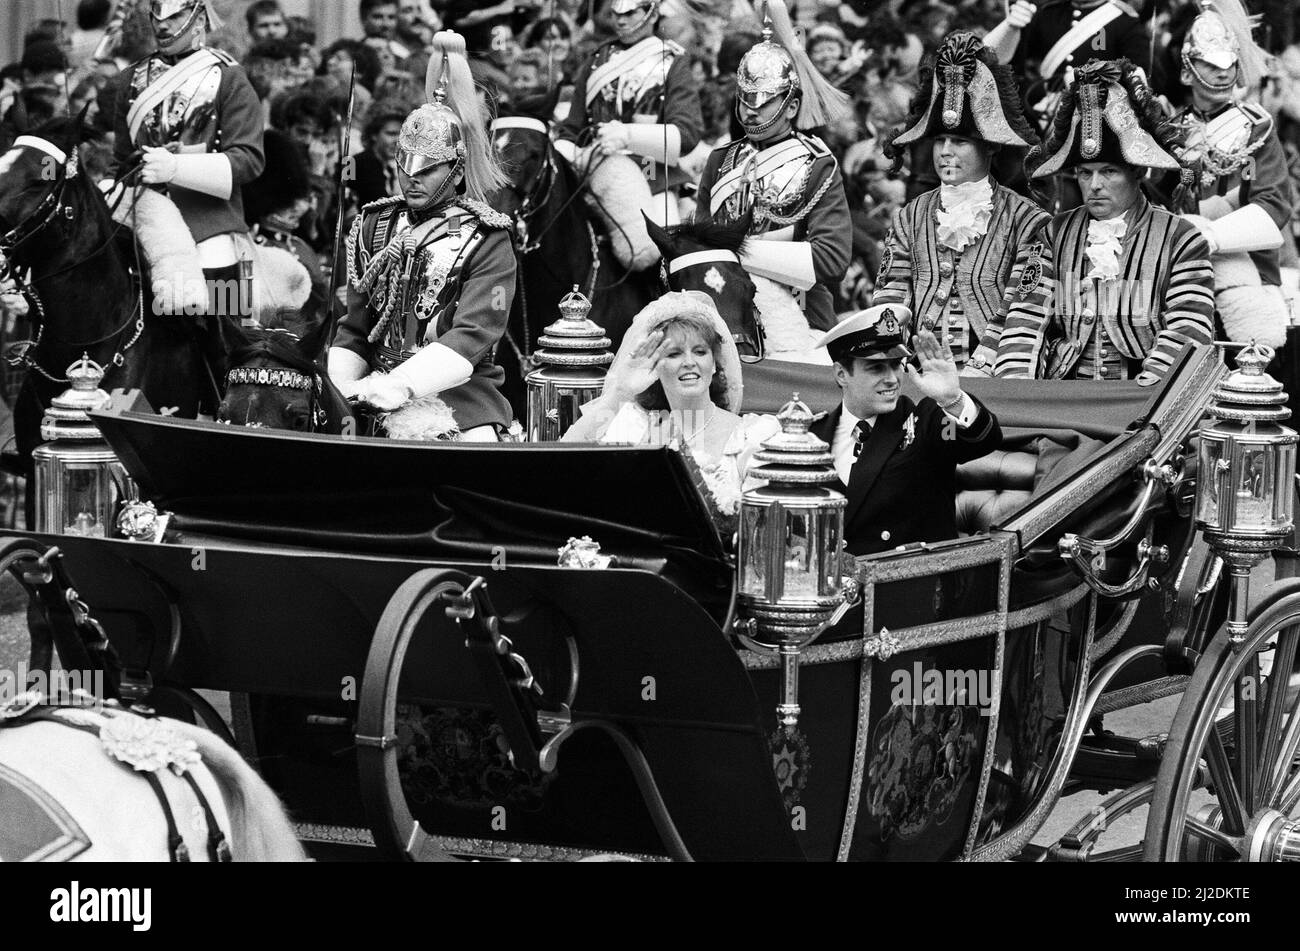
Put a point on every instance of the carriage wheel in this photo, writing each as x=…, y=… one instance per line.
x=397, y=833
x=1229, y=783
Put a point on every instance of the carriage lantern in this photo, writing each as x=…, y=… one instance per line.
x=1245, y=495
x=574, y=357
x=79, y=481
x=790, y=587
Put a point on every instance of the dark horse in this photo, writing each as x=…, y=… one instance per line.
x=278, y=381
x=80, y=274
x=560, y=243
x=704, y=255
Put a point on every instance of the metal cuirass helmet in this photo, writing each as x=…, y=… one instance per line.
x=162, y=10
x=766, y=72
x=1210, y=39
x=431, y=135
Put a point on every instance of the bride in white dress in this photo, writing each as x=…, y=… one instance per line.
x=676, y=381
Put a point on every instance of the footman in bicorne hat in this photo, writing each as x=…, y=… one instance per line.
x=959, y=255
x=1132, y=282
x=897, y=459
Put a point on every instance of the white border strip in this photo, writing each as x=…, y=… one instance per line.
x=41, y=145
x=702, y=257
x=520, y=122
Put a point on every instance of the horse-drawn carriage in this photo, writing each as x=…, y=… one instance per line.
x=413, y=672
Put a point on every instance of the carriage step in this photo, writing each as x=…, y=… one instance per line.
x=329, y=723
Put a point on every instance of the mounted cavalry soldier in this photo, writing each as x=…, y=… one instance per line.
x=959, y=255
x=1132, y=282
x=635, y=113
x=1243, y=198
x=431, y=275
x=189, y=113
x=787, y=180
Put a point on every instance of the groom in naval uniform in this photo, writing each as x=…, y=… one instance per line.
x=897, y=459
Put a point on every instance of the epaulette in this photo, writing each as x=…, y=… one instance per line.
x=815, y=145
x=674, y=48
x=485, y=212
x=1258, y=114
x=223, y=56
x=382, y=203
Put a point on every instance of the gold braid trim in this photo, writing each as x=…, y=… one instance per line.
x=485, y=212
x=802, y=213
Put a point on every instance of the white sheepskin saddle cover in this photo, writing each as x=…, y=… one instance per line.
x=620, y=190
x=280, y=282
x=428, y=419
x=1250, y=310
x=787, y=334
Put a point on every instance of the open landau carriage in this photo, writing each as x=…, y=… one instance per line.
x=413, y=672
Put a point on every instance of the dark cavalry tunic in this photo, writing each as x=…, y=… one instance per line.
x=658, y=89
x=213, y=110
x=787, y=177
x=462, y=283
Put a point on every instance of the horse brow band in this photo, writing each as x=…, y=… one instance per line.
x=702, y=257
x=519, y=122
x=42, y=145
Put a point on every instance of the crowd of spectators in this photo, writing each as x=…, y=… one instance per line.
x=529, y=51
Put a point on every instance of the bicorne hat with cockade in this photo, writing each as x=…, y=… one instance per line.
x=964, y=91
x=1106, y=115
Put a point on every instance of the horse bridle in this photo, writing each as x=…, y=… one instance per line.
x=51, y=205
x=694, y=259
x=284, y=378
x=540, y=192
x=49, y=209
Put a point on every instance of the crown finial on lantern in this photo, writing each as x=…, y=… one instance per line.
x=85, y=375
x=1249, y=393
x=574, y=305
x=795, y=417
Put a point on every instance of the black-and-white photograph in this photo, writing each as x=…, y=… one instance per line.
x=651, y=431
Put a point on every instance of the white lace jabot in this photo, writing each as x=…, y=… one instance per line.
x=964, y=212
x=1104, y=237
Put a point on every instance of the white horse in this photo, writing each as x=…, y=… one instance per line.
x=97, y=780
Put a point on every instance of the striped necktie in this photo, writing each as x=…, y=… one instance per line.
x=861, y=433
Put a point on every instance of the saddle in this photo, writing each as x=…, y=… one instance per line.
x=280, y=282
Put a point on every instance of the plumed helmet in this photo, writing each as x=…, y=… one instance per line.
x=431, y=135
x=160, y=10
x=452, y=125
x=777, y=66
x=621, y=7
x=1221, y=36
x=767, y=70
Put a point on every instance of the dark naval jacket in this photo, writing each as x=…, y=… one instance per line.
x=903, y=487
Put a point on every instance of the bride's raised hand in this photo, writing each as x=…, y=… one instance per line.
x=641, y=366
